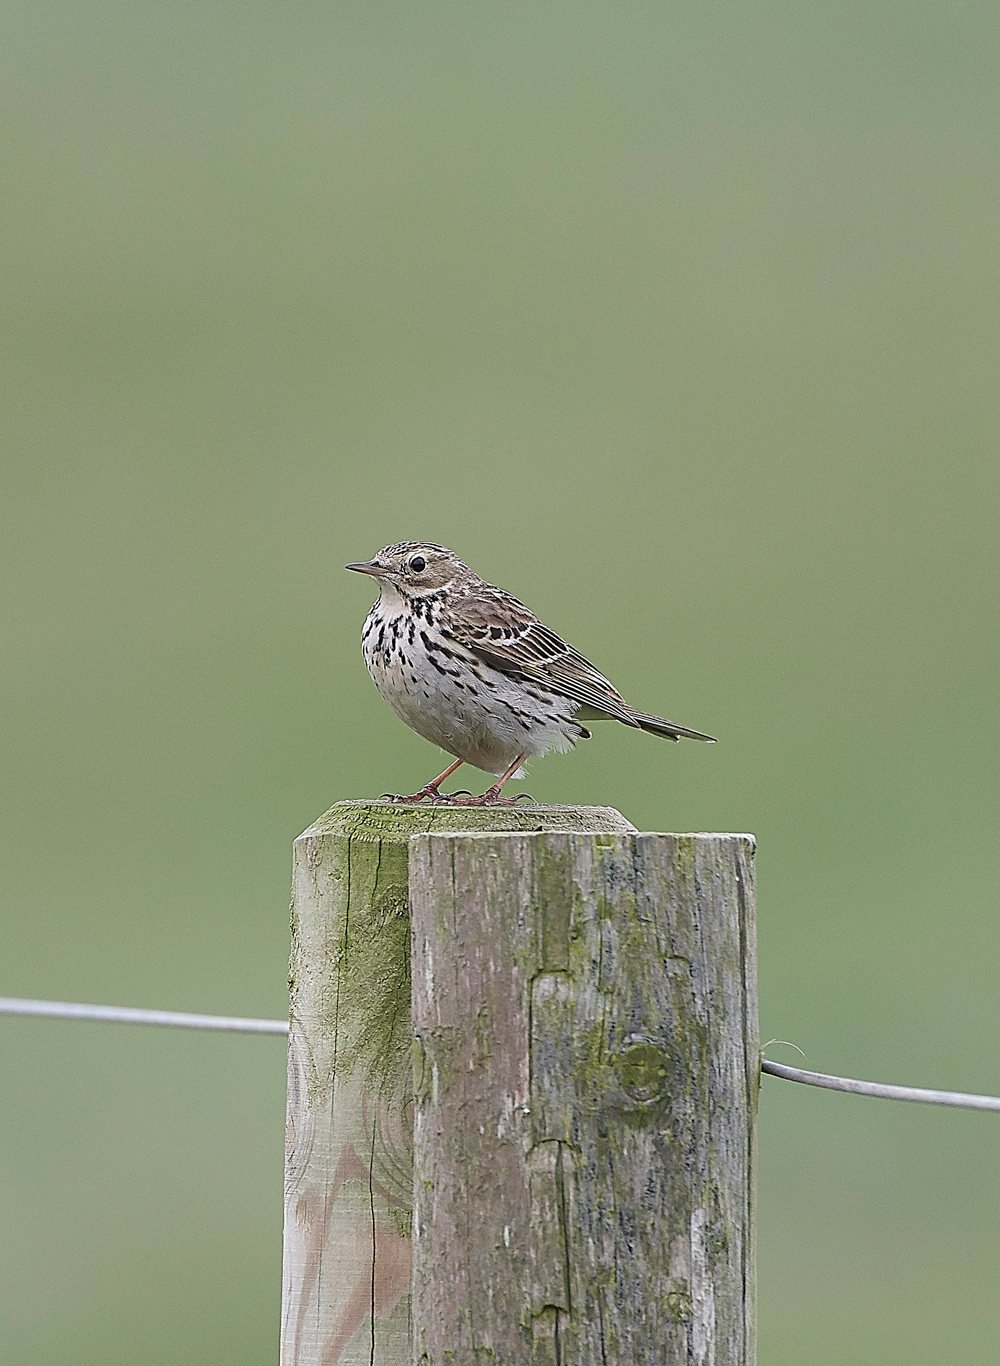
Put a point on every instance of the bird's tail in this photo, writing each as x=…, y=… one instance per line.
x=655, y=725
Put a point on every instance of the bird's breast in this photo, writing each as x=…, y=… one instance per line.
x=455, y=700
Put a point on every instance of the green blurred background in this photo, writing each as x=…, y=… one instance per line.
x=677, y=320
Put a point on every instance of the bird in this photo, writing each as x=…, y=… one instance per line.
x=470, y=668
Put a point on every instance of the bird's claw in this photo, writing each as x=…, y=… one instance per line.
x=432, y=795
x=463, y=797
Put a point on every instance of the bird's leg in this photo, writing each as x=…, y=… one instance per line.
x=430, y=789
x=491, y=796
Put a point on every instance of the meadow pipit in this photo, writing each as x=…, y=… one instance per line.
x=471, y=669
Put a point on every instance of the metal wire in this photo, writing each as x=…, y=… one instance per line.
x=236, y=1024
x=65, y=1010
x=962, y=1100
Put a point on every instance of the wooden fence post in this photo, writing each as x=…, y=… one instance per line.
x=586, y=1085
x=349, y=1164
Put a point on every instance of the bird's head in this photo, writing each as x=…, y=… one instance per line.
x=414, y=568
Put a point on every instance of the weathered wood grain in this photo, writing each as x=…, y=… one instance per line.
x=348, y=1174
x=586, y=1085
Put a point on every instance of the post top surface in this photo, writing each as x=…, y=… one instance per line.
x=386, y=820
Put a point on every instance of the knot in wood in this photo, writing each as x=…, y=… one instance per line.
x=643, y=1067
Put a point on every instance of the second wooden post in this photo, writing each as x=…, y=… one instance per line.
x=586, y=1082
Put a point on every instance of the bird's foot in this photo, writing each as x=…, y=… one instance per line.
x=432, y=794
x=491, y=797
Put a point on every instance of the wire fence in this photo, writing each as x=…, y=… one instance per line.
x=961, y=1100
x=237, y=1024
x=176, y=1019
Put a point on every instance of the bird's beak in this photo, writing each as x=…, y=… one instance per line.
x=365, y=567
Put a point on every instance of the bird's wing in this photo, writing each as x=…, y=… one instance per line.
x=508, y=636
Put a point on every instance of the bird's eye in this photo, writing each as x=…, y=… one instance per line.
x=418, y=564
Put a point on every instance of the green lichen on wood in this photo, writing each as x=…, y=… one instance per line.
x=375, y=992
x=384, y=821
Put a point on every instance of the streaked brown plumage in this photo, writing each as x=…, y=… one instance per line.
x=472, y=669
